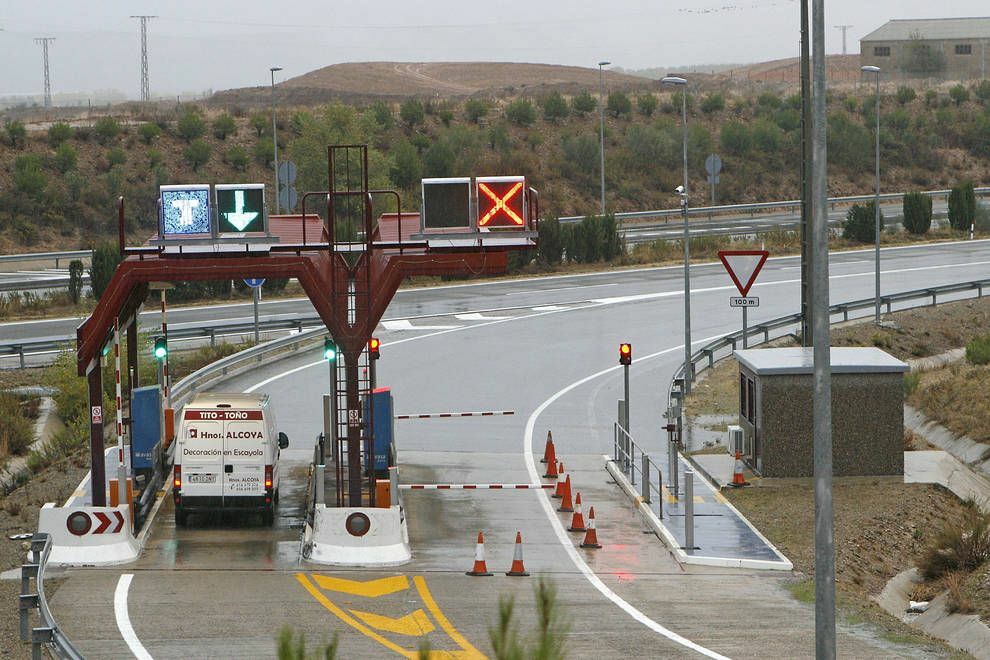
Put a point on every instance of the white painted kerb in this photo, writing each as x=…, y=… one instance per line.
x=385, y=544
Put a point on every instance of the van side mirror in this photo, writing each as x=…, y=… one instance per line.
x=283, y=440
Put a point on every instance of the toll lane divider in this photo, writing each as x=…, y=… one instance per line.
x=357, y=536
x=486, y=413
x=89, y=535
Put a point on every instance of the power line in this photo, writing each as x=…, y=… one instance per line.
x=145, y=84
x=44, y=41
x=843, y=28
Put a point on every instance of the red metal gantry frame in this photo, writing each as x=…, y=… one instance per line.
x=327, y=275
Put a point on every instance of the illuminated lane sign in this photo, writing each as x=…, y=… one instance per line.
x=240, y=208
x=501, y=202
x=185, y=210
x=447, y=203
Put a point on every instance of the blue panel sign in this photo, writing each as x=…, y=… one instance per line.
x=146, y=427
x=254, y=281
x=185, y=210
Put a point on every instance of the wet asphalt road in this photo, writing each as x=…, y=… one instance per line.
x=224, y=588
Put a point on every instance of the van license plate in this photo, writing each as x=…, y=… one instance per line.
x=202, y=478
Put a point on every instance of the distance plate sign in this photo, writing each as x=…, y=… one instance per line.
x=738, y=301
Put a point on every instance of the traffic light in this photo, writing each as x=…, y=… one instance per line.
x=161, y=348
x=374, y=344
x=329, y=350
x=625, y=354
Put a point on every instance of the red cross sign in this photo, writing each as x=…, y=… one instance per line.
x=502, y=202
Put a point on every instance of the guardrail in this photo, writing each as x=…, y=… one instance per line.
x=624, y=454
x=57, y=257
x=34, y=284
x=705, y=357
x=47, y=634
x=792, y=204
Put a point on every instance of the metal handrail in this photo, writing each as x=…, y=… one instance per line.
x=705, y=357
x=48, y=634
x=624, y=455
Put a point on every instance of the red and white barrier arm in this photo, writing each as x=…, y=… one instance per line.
x=486, y=413
x=476, y=486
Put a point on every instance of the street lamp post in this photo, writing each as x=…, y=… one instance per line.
x=876, y=200
x=275, y=135
x=688, y=371
x=601, y=103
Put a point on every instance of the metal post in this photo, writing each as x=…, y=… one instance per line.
x=97, y=464
x=257, y=297
x=164, y=382
x=672, y=465
x=646, y=477
x=689, y=511
x=806, y=330
x=327, y=424
x=744, y=327
x=876, y=200
x=601, y=103
x=121, y=467
x=822, y=406
x=275, y=136
x=625, y=411
x=320, y=483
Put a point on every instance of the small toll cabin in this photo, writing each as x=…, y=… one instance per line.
x=775, y=411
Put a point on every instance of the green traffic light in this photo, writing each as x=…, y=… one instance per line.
x=161, y=349
x=329, y=350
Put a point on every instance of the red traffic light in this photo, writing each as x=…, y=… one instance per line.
x=374, y=344
x=625, y=353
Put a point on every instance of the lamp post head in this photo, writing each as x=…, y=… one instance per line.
x=869, y=69
x=275, y=68
x=604, y=63
x=673, y=80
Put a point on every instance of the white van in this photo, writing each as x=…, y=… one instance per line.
x=226, y=456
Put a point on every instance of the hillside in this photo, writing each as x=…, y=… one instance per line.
x=366, y=81
x=58, y=183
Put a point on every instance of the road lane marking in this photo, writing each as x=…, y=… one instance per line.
x=368, y=589
x=414, y=624
x=475, y=316
x=124, y=620
x=406, y=324
x=561, y=288
x=562, y=536
x=469, y=651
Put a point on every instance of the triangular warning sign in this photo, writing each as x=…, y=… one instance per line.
x=743, y=266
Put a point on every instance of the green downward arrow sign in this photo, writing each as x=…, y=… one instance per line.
x=239, y=218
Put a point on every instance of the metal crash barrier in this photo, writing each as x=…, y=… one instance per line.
x=46, y=634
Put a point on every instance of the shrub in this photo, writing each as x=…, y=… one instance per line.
x=618, y=104
x=520, y=112
x=106, y=129
x=190, y=126
x=58, y=133
x=197, y=154
x=982, y=90
x=978, y=350
x=554, y=107
x=788, y=119
x=931, y=98
x=713, y=103
x=550, y=249
x=860, y=223
x=237, y=157
x=28, y=175
x=148, y=132
x=154, y=157
x=16, y=432
x=223, y=126
x=75, y=280
x=767, y=137
x=958, y=94
x=382, y=114
x=548, y=641
x=264, y=153
x=959, y=546
x=16, y=133
x=771, y=100
x=260, y=122
x=905, y=95
x=412, y=112
x=646, y=104
x=116, y=156
x=962, y=206
x=583, y=103
x=106, y=256
x=439, y=159
x=736, y=138
x=65, y=158
x=475, y=109
x=406, y=170
x=917, y=213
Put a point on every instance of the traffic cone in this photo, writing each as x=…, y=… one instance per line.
x=517, y=569
x=552, y=472
x=591, y=536
x=548, y=449
x=480, y=568
x=565, y=504
x=559, y=492
x=737, y=474
x=577, y=520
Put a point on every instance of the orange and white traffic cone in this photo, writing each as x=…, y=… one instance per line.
x=559, y=492
x=737, y=474
x=591, y=536
x=552, y=472
x=565, y=501
x=480, y=567
x=517, y=569
x=548, y=449
x=577, y=520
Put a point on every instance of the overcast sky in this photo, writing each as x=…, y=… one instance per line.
x=218, y=44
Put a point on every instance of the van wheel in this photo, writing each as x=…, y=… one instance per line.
x=180, y=518
x=268, y=517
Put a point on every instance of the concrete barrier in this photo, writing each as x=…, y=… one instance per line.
x=89, y=535
x=357, y=536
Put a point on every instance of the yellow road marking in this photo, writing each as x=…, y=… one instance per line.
x=369, y=589
x=424, y=593
x=698, y=499
x=720, y=498
x=357, y=625
x=415, y=624
x=667, y=497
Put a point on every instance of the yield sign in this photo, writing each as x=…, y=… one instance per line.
x=743, y=266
